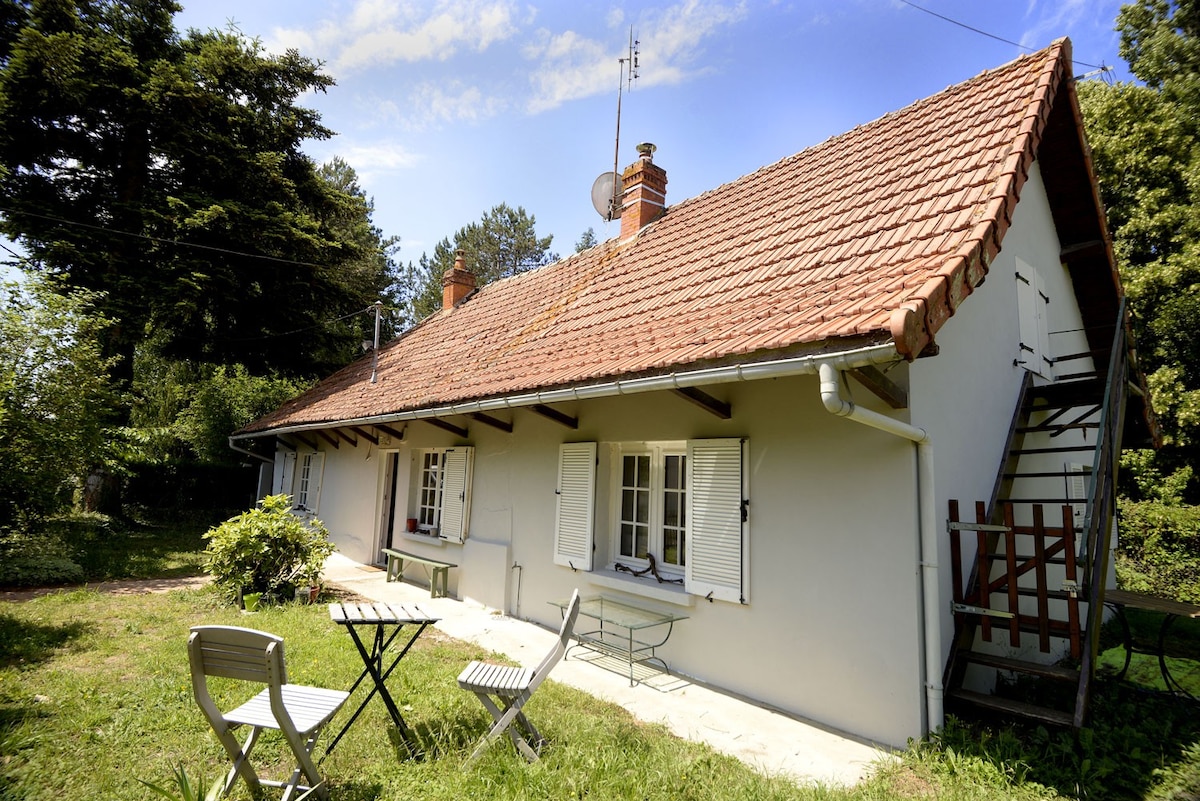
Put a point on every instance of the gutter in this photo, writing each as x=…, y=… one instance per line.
x=830, y=372
x=780, y=368
x=259, y=456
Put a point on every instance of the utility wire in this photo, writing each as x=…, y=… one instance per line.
x=1026, y=48
x=159, y=240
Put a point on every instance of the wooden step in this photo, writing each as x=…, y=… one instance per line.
x=1063, y=449
x=1055, y=672
x=1007, y=706
x=1065, y=394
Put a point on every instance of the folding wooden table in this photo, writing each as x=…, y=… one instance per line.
x=377, y=618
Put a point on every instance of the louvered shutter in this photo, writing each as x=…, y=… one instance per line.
x=287, y=475
x=718, y=558
x=311, y=471
x=456, y=493
x=573, y=529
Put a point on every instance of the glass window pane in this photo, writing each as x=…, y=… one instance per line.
x=643, y=467
x=643, y=539
x=627, y=503
x=626, y=539
x=643, y=507
x=629, y=471
x=671, y=509
x=673, y=472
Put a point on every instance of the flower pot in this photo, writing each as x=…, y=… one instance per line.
x=250, y=601
x=307, y=594
x=411, y=525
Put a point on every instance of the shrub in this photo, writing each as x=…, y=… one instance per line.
x=267, y=550
x=1160, y=549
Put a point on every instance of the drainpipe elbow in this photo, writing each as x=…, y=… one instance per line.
x=834, y=403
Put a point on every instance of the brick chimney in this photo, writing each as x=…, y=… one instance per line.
x=644, y=192
x=457, y=282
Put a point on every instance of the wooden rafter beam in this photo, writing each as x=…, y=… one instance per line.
x=325, y=435
x=346, y=437
x=311, y=443
x=555, y=415
x=706, y=402
x=391, y=432
x=367, y=435
x=285, y=443
x=494, y=422
x=885, y=388
x=446, y=425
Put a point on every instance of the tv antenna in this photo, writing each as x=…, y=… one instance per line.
x=606, y=191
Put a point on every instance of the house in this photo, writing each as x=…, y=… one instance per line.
x=755, y=408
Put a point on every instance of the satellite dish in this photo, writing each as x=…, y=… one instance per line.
x=602, y=195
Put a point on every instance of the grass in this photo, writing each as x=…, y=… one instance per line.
x=95, y=694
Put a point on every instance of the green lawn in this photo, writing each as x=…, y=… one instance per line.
x=95, y=694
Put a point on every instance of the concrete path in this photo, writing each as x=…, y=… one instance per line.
x=771, y=742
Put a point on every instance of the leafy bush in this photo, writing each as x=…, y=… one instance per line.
x=39, y=571
x=267, y=550
x=1160, y=549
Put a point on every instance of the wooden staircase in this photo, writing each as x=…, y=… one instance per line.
x=1028, y=611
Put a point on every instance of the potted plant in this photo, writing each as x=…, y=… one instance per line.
x=250, y=601
x=267, y=550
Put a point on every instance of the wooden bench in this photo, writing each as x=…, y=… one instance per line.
x=439, y=572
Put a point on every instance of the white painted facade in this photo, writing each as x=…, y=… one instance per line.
x=833, y=629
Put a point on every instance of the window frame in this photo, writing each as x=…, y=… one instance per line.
x=452, y=513
x=658, y=452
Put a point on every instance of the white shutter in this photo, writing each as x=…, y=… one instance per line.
x=573, y=525
x=1033, y=307
x=287, y=475
x=718, y=557
x=456, y=494
x=315, y=470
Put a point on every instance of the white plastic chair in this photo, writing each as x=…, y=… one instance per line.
x=512, y=687
x=297, y=711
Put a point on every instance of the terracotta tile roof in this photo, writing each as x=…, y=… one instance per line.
x=876, y=235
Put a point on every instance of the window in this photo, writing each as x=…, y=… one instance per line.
x=652, y=520
x=308, y=482
x=443, y=492
x=684, y=503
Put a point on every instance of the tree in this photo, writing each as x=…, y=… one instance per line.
x=587, y=240
x=1146, y=146
x=54, y=398
x=164, y=173
x=502, y=244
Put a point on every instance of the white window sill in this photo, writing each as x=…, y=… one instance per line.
x=428, y=539
x=646, y=587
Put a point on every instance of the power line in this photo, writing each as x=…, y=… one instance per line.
x=1026, y=48
x=159, y=240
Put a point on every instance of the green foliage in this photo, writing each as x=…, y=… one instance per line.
x=587, y=240
x=54, y=400
x=1160, y=549
x=502, y=244
x=266, y=550
x=1145, y=142
x=184, y=790
x=223, y=400
x=220, y=241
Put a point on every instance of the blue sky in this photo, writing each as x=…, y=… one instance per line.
x=448, y=108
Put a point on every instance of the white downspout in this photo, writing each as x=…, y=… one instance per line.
x=930, y=592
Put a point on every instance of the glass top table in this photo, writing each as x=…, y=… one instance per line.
x=620, y=629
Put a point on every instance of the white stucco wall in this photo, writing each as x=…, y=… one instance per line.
x=964, y=397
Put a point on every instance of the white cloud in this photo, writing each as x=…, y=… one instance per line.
x=572, y=67
x=1055, y=20
x=451, y=102
x=384, y=32
x=373, y=159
